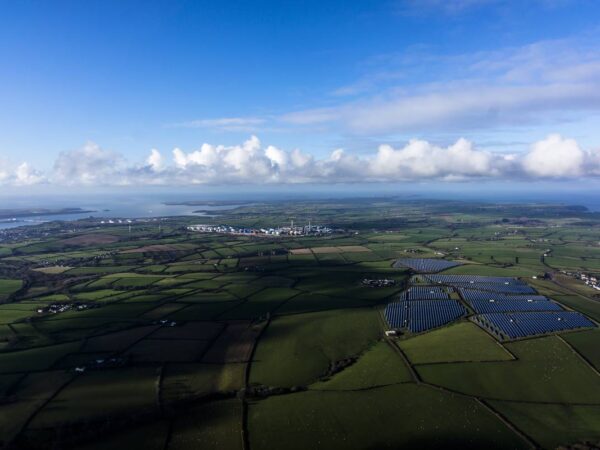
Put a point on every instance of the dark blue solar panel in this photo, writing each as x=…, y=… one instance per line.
x=421, y=315
x=451, y=279
x=427, y=293
x=487, y=306
x=474, y=294
x=491, y=284
x=522, y=324
x=425, y=265
x=397, y=314
x=490, y=302
x=522, y=289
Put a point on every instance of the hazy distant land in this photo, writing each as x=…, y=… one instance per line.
x=30, y=212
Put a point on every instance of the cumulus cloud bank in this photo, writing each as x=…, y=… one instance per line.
x=89, y=165
x=251, y=162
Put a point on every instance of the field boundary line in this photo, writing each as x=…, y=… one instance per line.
x=579, y=355
x=211, y=342
x=442, y=363
x=495, y=399
x=533, y=402
x=508, y=423
x=245, y=432
x=413, y=373
x=484, y=402
x=274, y=313
x=159, y=383
x=42, y=406
x=377, y=386
x=169, y=433
x=244, y=429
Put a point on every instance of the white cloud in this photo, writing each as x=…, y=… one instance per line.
x=249, y=162
x=420, y=159
x=89, y=165
x=244, y=124
x=4, y=171
x=445, y=6
x=462, y=107
x=253, y=163
x=21, y=175
x=453, y=7
x=25, y=175
x=155, y=160
x=555, y=157
x=543, y=82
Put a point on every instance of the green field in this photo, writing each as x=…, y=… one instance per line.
x=461, y=342
x=402, y=416
x=101, y=396
x=212, y=426
x=545, y=370
x=378, y=366
x=586, y=343
x=553, y=425
x=294, y=359
x=8, y=287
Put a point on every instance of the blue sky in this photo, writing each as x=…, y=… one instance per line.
x=298, y=91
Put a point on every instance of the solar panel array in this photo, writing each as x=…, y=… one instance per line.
x=490, y=302
x=492, y=284
x=523, y=324
x=422, y=315
x=425, y=265
x=507, y=307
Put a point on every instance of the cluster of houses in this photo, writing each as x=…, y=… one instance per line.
x=378, y=283
x=55, y=308
x=166, y=323
x=279, y=231
x=115, y=221
x=102, y=363
x=589, y=279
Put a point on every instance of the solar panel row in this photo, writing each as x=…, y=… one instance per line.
x=523, y=324
x=422, y=315
x=475, y=294
x=487, y=306
x=425, y=265
x=522, y=289
x=490, y=302
x=427, y=293
x=491, y=284
x=451, y=279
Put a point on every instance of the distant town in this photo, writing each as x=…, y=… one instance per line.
x=290, y=230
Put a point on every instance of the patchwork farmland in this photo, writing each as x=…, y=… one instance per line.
x=172, y=339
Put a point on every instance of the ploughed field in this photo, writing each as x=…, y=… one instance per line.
x=171, y=339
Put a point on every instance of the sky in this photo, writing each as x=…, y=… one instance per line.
x=114, y=94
